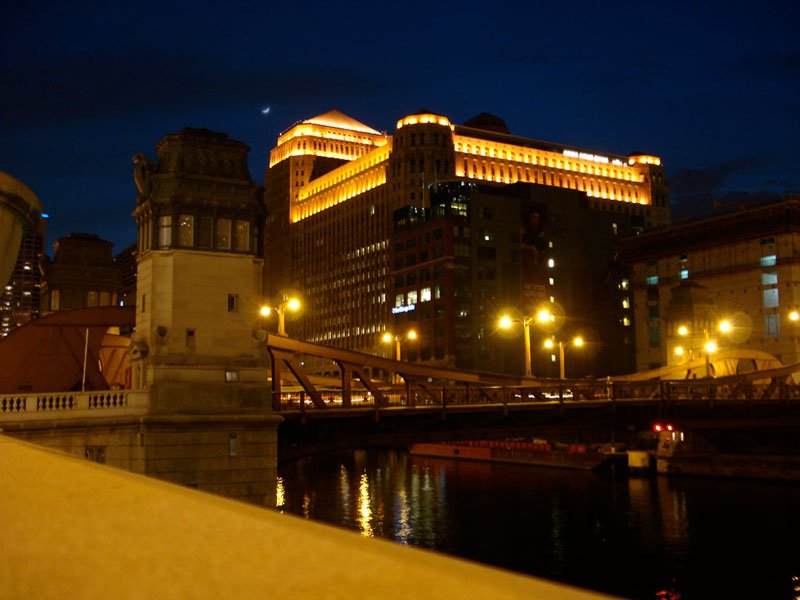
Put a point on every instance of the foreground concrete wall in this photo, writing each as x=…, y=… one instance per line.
x=81, y=530
x=230, y=455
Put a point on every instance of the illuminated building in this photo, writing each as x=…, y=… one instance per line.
x=743, y=266
x=485, y=249
x=19, y=302
x=334, y=184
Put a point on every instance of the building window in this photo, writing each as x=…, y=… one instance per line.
x=233, y=302
x=655, y=336
x=769, y=278
x=204, y=229
x=222, y=238
x=771, y=326
x=652, y=280
x=771, y=298
x=412, y=297
x=769, y=260
x=91, y=298
x=185, y=231
x=165, y=231
x=399, y=299
x=55, y=300
x=242, y=235
x=425, y=294
x=105, y=299
x=190, y=338
x=231, y=376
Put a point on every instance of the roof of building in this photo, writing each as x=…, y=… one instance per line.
x=334, y=118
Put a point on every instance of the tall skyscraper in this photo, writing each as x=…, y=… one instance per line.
x=21, y=295
x=334, y=185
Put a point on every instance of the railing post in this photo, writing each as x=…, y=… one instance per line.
x=444, y=403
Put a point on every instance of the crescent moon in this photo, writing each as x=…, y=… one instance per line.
x=265, y=111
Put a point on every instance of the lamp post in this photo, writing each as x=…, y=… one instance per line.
x=388, y=338
x=709, y=345
x=794, y=317
x=543, y=316
x=291, y=303
x=577, y=341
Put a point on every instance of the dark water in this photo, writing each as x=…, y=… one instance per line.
x=643, y=537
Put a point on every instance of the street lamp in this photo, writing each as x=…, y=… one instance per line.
x=288, y=303
x=794, y=317
x=543, y=316
x=549, y=343
x=709, y=345
x=389, y=338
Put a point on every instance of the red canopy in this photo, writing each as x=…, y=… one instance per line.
x=47, y=354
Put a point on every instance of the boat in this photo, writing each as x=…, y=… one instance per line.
x=535, y=452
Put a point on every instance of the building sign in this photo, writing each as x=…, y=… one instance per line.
x=403, y=309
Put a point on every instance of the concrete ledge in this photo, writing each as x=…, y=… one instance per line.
x=76, y=529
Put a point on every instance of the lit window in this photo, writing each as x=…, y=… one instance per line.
x=623, y=285
x=399, y=299
x=769, y=278
x=771, y=326
x=425, y=294
x=684, y=274
x=771, y=298
x=769, y=261
x=185, y=231
x=412, y=297
x=626, y=321
x=652, y=280
x=626, y=302
x=551, y=262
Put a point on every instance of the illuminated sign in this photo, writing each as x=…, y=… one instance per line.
x=403, y=309
x=587, y=156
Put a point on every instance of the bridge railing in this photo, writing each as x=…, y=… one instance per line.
x=38, y=405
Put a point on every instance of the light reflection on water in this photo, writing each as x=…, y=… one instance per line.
x=637, y=537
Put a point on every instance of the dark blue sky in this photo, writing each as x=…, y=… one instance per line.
x=711, y=87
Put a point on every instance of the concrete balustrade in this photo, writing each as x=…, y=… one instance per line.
x=33, y=406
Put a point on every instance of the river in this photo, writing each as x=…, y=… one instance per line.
x=636, y=537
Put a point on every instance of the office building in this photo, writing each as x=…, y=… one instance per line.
x=81, y=275
x=20, y=299
x=743, y=266
x=333, y=187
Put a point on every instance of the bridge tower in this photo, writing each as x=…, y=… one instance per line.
x=194, y=352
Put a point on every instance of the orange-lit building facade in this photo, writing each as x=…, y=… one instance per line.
x=333, y=185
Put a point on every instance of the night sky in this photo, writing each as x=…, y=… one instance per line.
x=712, y=89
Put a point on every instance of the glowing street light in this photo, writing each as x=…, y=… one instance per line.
x=794, y=317
x=291, y=304
x=550, y=343
x=709, y=345
x=389, y=338
x=543, y=317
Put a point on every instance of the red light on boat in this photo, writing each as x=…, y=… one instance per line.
x=657, y=428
